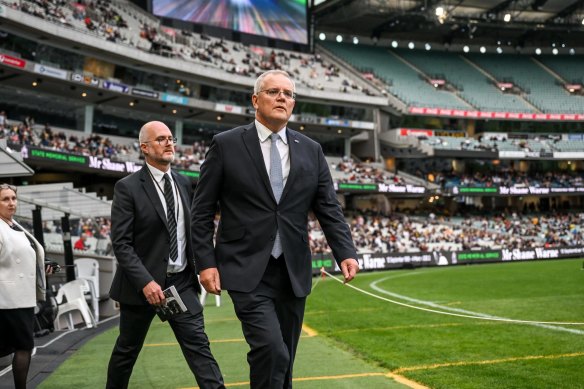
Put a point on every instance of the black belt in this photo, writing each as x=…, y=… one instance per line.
x=171, y=274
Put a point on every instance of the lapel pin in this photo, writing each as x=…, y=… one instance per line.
x=295, y=140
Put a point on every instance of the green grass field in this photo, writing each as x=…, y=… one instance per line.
x=442, y=351
x=359, y=341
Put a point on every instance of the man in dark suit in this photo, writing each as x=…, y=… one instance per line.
x=152, y=244
x=266, y=178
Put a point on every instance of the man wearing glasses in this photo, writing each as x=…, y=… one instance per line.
x=266, y=178
x=152, y=244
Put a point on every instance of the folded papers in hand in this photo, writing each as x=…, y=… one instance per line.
x=173, y=305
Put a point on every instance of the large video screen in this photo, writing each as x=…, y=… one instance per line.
x=278, y=19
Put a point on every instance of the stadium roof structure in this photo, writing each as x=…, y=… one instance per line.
x=11, y=164
x=512, y=22
x=59, y=199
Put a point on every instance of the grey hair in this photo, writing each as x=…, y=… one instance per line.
x=260, y=80
x=8, y=186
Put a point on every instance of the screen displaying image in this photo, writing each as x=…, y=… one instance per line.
x=278, y=19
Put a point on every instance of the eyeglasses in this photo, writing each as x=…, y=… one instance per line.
x=163, y=140
x=288, y=94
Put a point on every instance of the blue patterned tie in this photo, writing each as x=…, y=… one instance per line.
x=277, y=182
x=170, y=217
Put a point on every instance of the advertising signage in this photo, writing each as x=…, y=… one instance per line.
x=12, y=61
x=378, y=261
x=50, y=71
x=89, y=80
x=56, y=156
x=45, y=157
x=556, y=117
x=34, y=155
x=380, y=188
x=174, y=99
x=388, y=261
x=116, y=87
x=145, y=93
x=515, y=191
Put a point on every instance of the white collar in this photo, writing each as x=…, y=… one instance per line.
x=264, y=132
x=158, y=174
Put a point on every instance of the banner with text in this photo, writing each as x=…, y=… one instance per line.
x=75, y=162
x=514, y=191
x=388, y=261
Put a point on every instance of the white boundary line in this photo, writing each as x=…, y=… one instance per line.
x=467, y=314
x=6, y=369
x=57, y=338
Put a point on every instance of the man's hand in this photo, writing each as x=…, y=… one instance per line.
x=349, y=267
x=209, y=278
x=153, y=293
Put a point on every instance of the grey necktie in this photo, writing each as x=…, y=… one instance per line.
x=170, y=217
x=277, y=182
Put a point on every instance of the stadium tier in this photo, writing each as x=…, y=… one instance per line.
x=402, y=80
x=541, y=88
x=122, y=23
x=568, y=68
x=473, y=81
x=470, y=84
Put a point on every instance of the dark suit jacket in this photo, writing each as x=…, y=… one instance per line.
x=234, y=175
x=140, y=236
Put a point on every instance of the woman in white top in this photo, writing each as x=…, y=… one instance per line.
x=22, y=284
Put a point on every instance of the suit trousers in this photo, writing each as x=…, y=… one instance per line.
x=271, y=318
x=188, y=328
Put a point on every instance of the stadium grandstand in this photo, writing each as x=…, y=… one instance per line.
x=453, y=130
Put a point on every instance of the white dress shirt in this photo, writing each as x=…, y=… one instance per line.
x=158, y=175
x=282, y=145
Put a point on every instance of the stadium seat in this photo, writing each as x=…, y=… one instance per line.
x=74, y=294
x=88, y=269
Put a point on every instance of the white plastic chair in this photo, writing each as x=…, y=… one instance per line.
x=204, y=296
x=88, y=269
x=73, y=292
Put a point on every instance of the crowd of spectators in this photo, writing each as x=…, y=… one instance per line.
x=99, y=227
x=93, y=145
x=191, y=157
x=405, y=233
x=401, y=233
x=98, y=16
x=24, y=134
x=88, y=235
x=21, y=135
x=44, y=9
x=363, y=173
x=487, y=175
x=511, y=178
